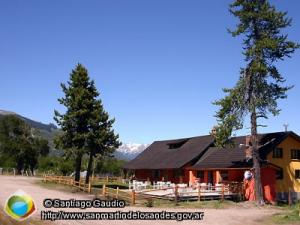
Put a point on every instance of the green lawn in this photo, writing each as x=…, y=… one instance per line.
x=111, y=185
x=290, y=215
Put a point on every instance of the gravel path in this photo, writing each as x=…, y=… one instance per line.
x=233, y=216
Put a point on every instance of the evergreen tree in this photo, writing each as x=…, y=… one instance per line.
x=260, y=84
x=19, y=144
x=84, y=123
x=102, y=140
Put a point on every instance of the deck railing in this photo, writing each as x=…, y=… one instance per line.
x=176, y=193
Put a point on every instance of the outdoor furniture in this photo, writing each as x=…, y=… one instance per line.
x=218, y=187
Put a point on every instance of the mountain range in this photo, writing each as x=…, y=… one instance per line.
x=126, y=152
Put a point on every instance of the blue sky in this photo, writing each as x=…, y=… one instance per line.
x=158, y=64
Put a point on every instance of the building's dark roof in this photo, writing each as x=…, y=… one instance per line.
x=201, y=153
x=165, y=155
x=234, y=157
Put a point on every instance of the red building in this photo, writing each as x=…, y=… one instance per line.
x=197, y=159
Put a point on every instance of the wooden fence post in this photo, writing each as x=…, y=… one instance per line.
x=176, y=194
x=133, y=197
x=223, y=189
x=117, y=194
x=106, y=179
x=90, y=187
x=199, y=193
x=290, y=197
x=103, y=190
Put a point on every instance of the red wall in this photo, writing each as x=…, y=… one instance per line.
x=268, y=180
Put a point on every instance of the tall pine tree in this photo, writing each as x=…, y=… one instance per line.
x=260, y=83
x=102, y=140
x=85, y=124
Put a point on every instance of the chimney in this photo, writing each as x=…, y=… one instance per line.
x=286, y=125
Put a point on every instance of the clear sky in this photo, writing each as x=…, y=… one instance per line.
x=159, y=64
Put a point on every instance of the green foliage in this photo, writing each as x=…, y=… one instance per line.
x=18, y=144
x=260, y=84
x=108, y=165
x=78, y=101
x=56, y=165
x=86, y=127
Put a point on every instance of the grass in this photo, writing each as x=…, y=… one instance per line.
x=290, y=215
x=113, y=185
x=212, y=204
x=59, y=187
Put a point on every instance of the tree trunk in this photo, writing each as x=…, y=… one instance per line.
x=20, y=166
x=89, y=168
x=78, y=167
x=256, y=159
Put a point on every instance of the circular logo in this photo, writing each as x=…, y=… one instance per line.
x=20, y=206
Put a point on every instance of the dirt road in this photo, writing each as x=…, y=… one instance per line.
x=232, y=216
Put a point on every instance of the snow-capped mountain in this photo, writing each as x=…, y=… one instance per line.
x=130, y=150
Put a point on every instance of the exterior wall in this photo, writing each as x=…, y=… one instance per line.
x=143, y=174
x=172, y=175
x=237, y=175
x=233, y=176
x=268, y=181
x=288, y=165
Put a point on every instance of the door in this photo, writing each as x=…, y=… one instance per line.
x=210, y=177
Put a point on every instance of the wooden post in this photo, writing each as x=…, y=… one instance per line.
x=223, y=189
x=290, y=197
x=133, y=197
x=103, y=190
x=199, y=193
x=117, y=195
x=106, y=179
x=176, y=194
x=89, y=187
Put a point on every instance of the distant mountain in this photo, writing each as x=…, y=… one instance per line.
x=130, y=151
x=34, y=124
x=48, y=131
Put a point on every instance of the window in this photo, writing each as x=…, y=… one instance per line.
x=295, y=153
x=297, y=174
x=279, y=174
x=178, y=173
x=156, y=174
x=224, y=175
x=200, y=175
x=178, y=144
x=277, y=153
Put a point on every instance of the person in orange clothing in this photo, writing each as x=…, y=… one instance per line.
x=249, y=186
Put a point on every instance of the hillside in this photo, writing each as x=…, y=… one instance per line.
x=48, y=131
